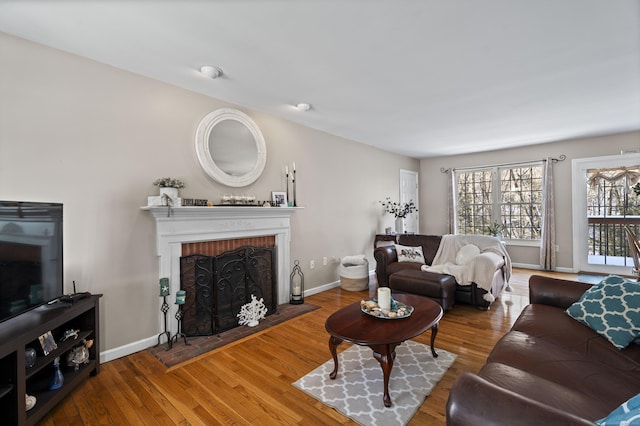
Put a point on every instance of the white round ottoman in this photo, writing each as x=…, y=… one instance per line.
x=354, y=273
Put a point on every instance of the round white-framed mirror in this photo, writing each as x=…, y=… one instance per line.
x=230, y=147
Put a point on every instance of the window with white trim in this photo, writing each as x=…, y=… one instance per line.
x=510, y=196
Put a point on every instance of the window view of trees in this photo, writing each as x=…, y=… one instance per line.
x=510, y=197
x=610, y=193
x=611, y=203
x=474, y=213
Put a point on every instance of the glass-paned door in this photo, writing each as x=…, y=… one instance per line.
x=604, y=202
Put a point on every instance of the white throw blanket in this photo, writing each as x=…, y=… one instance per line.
x=480, y=269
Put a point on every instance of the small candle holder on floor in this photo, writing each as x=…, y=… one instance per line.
x=165, y=309
x=296, y=280
x=179, y=334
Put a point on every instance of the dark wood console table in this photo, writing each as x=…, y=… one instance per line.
x=384, y=239
x=22, y=332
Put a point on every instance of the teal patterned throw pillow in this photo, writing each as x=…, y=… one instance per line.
x=615, y=279
x=628, y=414
x=612, y=309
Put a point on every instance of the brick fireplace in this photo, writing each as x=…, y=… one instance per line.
x=183, y=230
x=216, y=247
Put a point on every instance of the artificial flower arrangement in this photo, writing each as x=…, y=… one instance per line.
x=399, y=210
x=169, y=183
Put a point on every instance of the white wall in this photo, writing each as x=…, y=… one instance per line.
x=433, y=184
x=95, y=138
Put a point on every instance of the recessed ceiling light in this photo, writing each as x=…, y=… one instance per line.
x=211, y=72
x=303, y=107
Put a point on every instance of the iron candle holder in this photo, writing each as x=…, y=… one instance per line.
x=165, y=309
x=296, y=281
x=179, y=334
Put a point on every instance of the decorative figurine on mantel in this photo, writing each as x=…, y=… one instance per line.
x=252, y=312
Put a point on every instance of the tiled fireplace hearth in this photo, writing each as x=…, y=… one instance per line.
x=222, y=228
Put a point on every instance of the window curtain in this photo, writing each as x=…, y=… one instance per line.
x=450, y=202
x=613, y=175
x=548, y=239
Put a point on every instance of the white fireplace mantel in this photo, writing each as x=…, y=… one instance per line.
x=177, y=225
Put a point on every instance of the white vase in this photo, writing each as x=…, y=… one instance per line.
x=400, y=225
x=172, y=193
x=252, y=323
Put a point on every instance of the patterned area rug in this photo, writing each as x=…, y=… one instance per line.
x=357, y=390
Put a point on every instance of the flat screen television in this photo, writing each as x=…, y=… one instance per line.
x=31, y=269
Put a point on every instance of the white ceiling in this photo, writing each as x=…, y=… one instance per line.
x=421, y=78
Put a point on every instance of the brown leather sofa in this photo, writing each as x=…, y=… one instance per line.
x=387, y=264
x=549, y=369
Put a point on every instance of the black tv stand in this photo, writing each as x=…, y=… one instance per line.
x=22, y=332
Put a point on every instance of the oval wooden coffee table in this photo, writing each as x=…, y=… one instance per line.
x=382, y=335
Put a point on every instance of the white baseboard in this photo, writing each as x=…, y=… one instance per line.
x=538, y=268
x=322, y=288
x=329, y=286
x=128, y=349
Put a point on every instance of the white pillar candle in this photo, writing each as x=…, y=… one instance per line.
x=296, y=289
x=384, y=298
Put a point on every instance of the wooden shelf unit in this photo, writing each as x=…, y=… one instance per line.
x=22, y=332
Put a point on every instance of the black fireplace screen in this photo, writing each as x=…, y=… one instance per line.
x=218, y=286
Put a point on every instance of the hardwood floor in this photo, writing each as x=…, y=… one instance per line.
x=249, y=382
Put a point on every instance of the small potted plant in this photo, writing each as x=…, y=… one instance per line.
x=169, y=188
x=399, y=210
x=495, y=229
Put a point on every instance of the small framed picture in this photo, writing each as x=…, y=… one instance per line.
x=48, y=343
x=279, y=198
